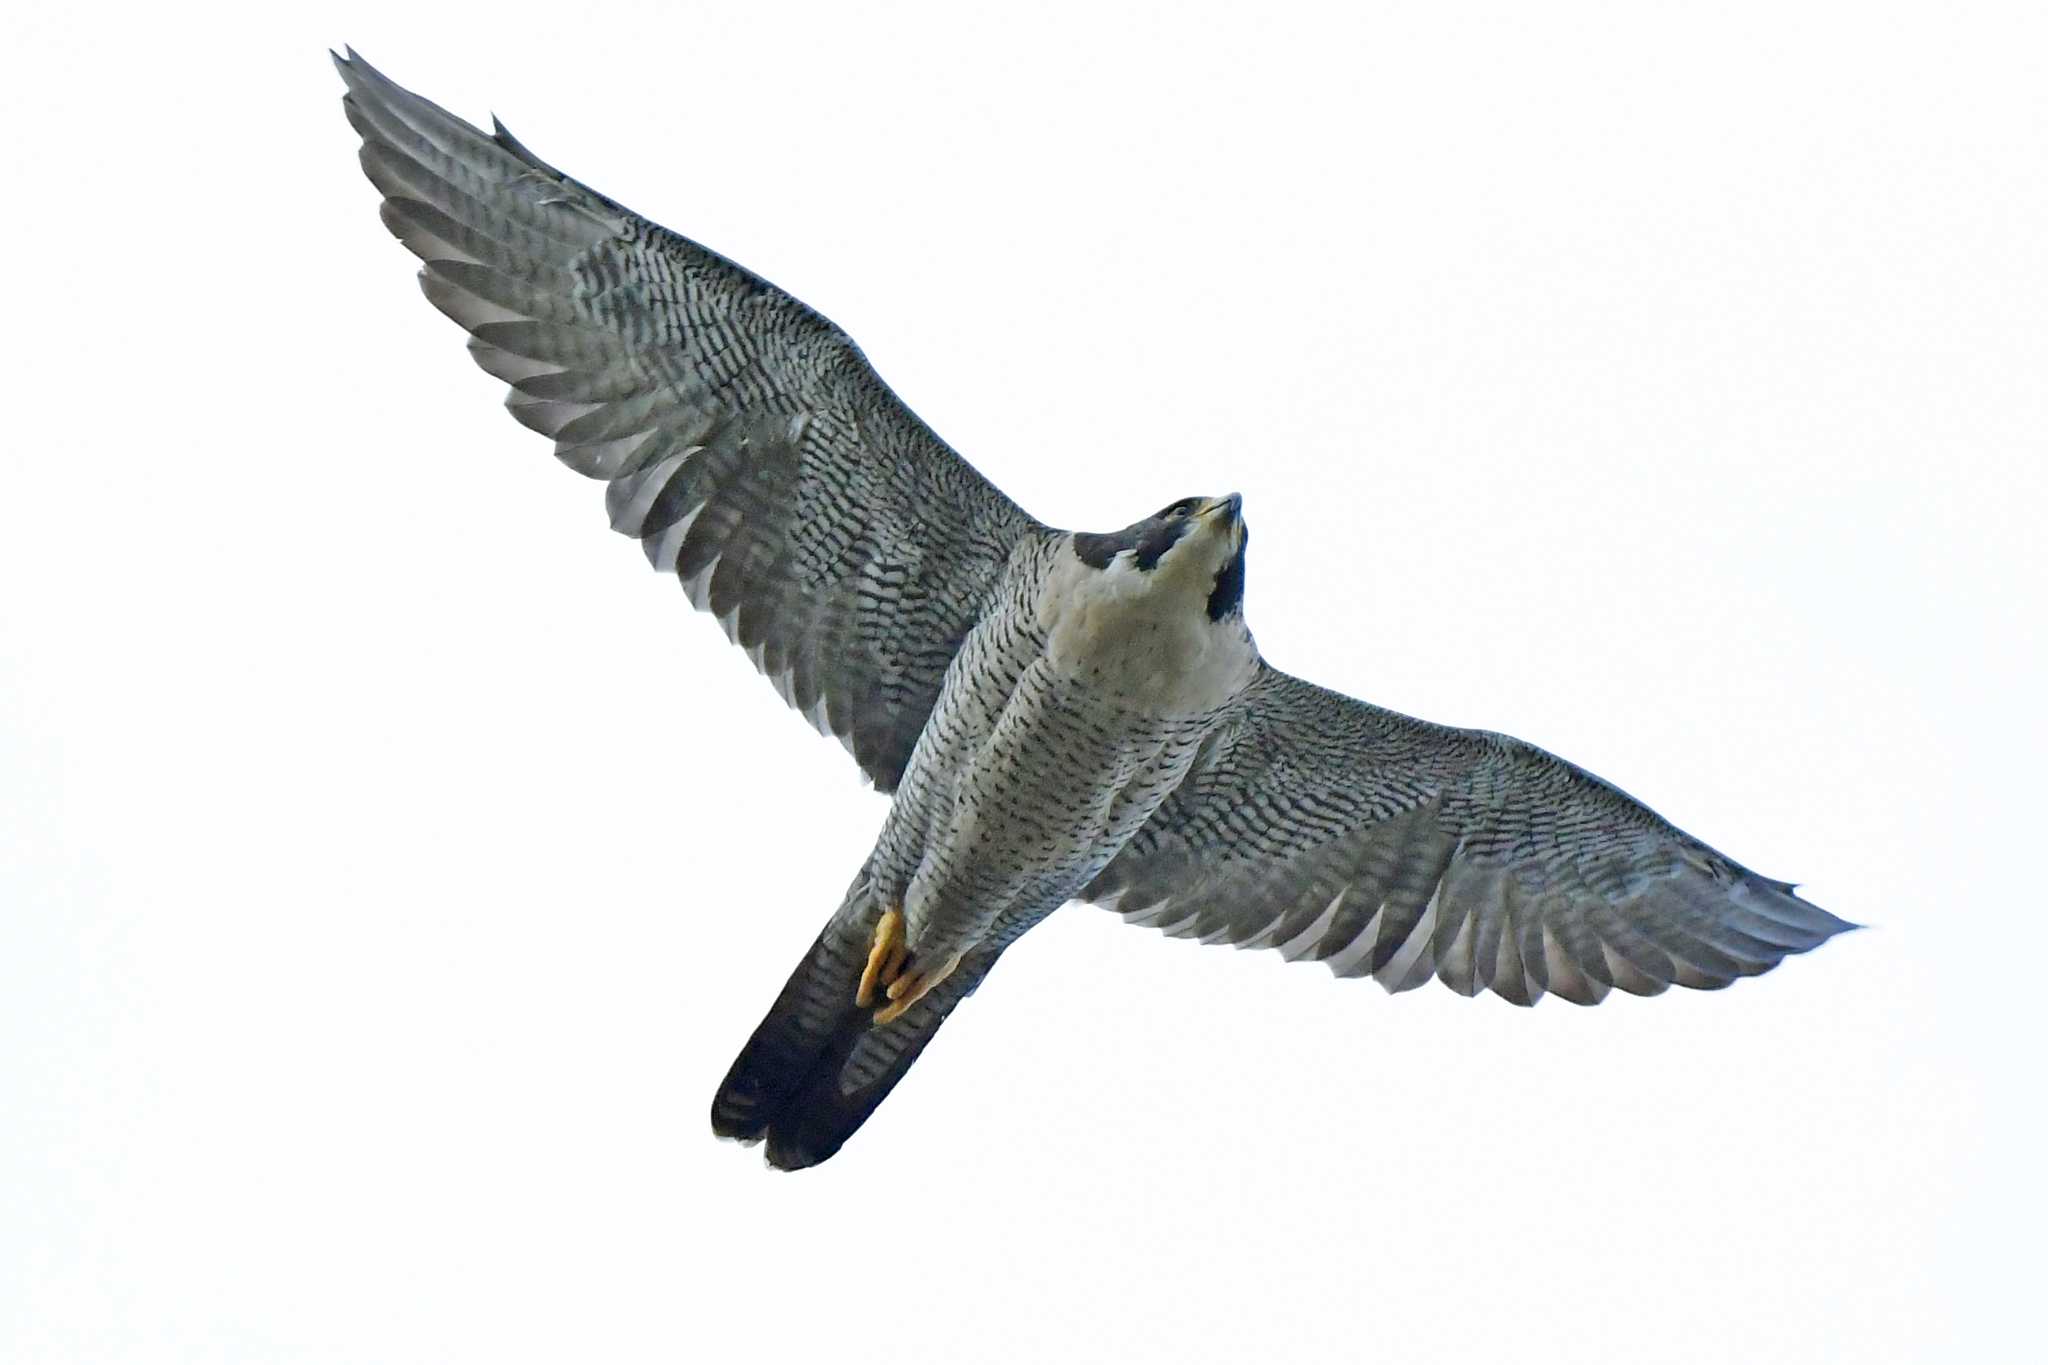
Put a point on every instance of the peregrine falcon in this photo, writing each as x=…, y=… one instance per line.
x=1055, y=715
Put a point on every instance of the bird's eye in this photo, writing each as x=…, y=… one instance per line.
x=1173, y=511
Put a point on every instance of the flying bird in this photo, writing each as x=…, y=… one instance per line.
x=1055, y=715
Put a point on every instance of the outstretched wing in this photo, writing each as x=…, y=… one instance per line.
x=1332, y=830
x=745, y=440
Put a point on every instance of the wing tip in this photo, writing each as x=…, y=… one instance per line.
x=1801, y=914
x=353, y=68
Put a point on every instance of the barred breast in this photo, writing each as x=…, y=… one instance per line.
x=1073, y=708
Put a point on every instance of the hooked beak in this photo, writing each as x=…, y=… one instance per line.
x=1225, y=507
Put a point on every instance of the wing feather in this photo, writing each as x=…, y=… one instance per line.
x=743, y=438
x=1384, y=846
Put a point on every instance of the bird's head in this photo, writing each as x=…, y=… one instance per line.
x=1193, y=548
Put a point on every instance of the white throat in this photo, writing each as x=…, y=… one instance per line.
x=1143, y=638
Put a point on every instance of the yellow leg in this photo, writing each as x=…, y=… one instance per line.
x=910, y=987
x=885, y=958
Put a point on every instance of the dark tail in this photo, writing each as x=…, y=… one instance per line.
x=817, y=1067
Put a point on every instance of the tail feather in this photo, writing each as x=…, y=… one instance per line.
x=816, y=1068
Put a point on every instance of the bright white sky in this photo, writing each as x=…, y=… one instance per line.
x=390, y=865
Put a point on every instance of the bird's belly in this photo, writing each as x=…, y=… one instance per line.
x=1031, y=798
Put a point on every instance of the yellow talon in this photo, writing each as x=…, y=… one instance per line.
x=885, y=958
x=883, y=976
x=909, y=988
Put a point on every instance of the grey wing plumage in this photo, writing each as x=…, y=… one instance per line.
x=1332, y=830
x=745, y=440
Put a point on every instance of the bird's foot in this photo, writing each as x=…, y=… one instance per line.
x=884, y=981
x=886, y=955
x=910, y=987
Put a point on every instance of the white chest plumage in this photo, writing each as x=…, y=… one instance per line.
x=1143, y=639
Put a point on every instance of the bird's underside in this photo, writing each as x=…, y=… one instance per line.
x=1005, y=682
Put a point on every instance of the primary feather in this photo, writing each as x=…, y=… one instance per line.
x=744, y=440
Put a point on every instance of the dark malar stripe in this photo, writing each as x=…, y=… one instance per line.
x=1228, y=594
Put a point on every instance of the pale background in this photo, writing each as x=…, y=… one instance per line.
x=390, y=865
